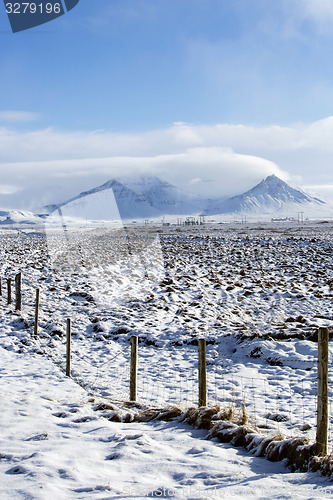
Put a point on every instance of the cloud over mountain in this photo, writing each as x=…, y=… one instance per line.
x=151, y=197
x=202, y=158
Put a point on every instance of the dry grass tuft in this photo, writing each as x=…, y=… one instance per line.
x=104, y=406
x=322, y=464
x=230, y=425
x=244, y=417
x=169, y=413
x=226, y=413
x=201, y=417
x=119, y=416
x=149, y=414
x=204, y=420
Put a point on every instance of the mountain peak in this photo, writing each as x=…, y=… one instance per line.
x=271, y=195
x=163, y=196
x=272, y=177
x=147, y=196
x=138, y=197
x=272, y=181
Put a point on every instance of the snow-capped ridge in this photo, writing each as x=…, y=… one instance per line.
x=163, y=196
x=271, y=195
x=12, y=217
x=141, y=197
x=148, y=197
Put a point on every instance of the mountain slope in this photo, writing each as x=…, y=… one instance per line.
x=130, y=204
x=12, y=217
x=137, y=198
x=163, y=196
x=148, y=197
x=269, y=196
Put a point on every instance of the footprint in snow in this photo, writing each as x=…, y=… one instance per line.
x=84, y=419
x=122, y=437
x=64, y=474
x=195, y=451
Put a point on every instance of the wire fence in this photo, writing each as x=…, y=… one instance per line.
x=108, y=378
x=276, y=400
x=271, y=402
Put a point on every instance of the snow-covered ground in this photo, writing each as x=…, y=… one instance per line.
x=257, y=293
x=55, y=445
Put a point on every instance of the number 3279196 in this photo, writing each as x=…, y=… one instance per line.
x=33, y=8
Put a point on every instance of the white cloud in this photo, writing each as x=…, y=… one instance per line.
x=8, y=189
x=320, y=10
x=230, y=173
x=49, y=144
x=324, y=191
x=215, y=160
x=18, y=116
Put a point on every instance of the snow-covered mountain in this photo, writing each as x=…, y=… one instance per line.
x=165, y=197
x=130, y=204
x=13, y=217
x=272, y=195
x=150, y=197
x=136, y=198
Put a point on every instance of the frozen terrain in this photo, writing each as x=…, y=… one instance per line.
x=54, y=444
x=257, y=293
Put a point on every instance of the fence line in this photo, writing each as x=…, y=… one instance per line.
x=18, y=292
x=68, y=348
x=9, y=291
x=36, y=313
x=234, y=391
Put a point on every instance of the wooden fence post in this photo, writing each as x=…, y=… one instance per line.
x=36, y=314
x=322, y=404
x=134, y=368
x=9, y=290
x=18, y=292
x=68, y=348
x=202, y=373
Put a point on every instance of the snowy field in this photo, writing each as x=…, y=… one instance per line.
x=256, y=292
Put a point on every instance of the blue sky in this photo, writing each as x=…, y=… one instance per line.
x=166, y=78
